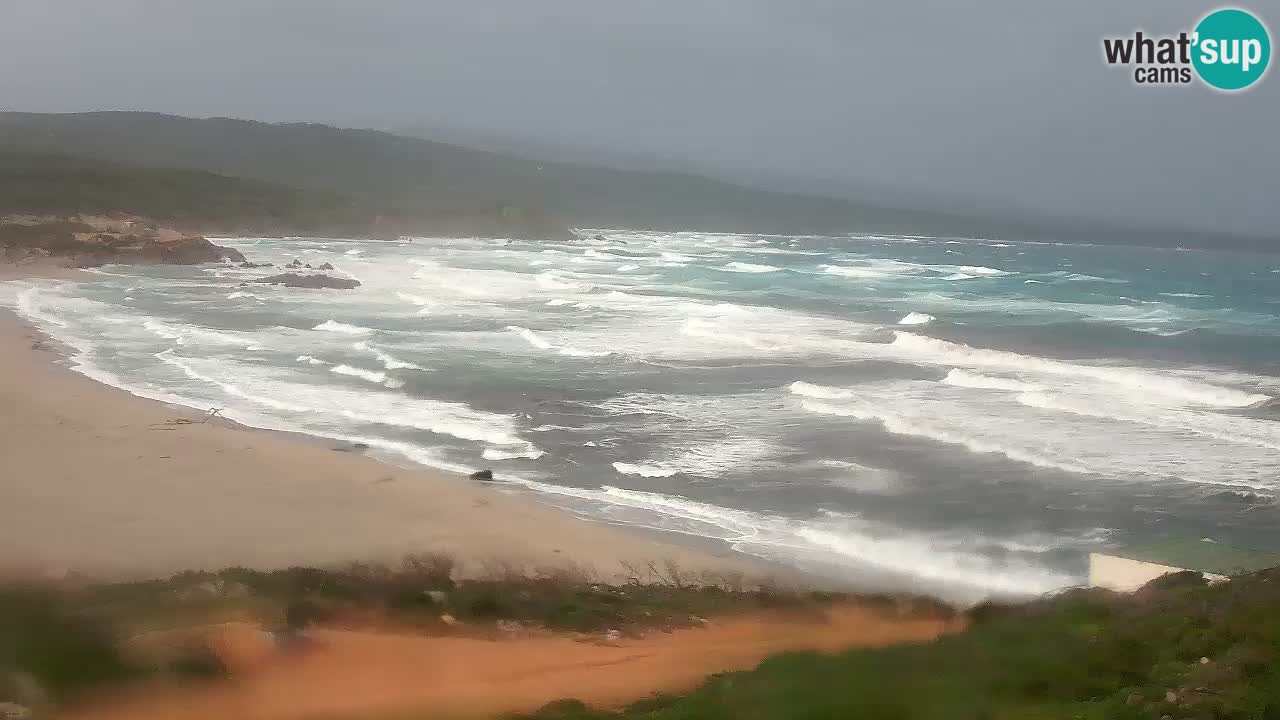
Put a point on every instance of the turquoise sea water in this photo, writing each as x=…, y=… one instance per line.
x=957, y=415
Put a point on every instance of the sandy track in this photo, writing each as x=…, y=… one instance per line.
x=361, y=674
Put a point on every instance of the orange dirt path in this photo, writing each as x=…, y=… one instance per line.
x=348, y=674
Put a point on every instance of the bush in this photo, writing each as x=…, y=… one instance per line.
x=65, y=653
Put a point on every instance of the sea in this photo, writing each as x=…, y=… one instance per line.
x=966, y=417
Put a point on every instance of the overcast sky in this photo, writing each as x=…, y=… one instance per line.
x=1002, y=99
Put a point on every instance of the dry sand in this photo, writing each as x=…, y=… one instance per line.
x=97, y=481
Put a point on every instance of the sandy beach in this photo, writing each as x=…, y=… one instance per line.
x=101, y=482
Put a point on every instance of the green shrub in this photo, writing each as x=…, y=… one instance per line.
x=65, y=653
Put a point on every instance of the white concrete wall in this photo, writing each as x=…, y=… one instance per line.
x=1125, y=575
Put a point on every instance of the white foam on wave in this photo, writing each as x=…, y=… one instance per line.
x=531, y=337
x=310, y=360
x=240, y=294
x=163, y=330
x=530, y=453
x=951, y=566
x=415, y=299
x=855, y=272
x=1231, y=429
x=338, y=327
x=28, y=304
x=821, y=392
x=870, y=268
x=183, y=334
x=981, y=270
x=927, y=349
x=1081, y=277
x=537, y=341
x=326, y=406
x=552, y=280
x=915, y=427
x=1116, y=437
x=268, y=398
x=628, y=267
x=916, y=318
x=389, y=361
x=710, y=329
x=673, y=257
x=1184, y=295
x=708, y=459
x=911, y=426
x=648, y=471
x=579, y=352
x=961, y=378
x=372, y=376
x=742, y=267
x=861, y=478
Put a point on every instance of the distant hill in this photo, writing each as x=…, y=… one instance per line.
x=201, y=201
x=404, y=182
x=55, y=184
x=408, y=175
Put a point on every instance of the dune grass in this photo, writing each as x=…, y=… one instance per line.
x=1178, y=649
x=69, y=638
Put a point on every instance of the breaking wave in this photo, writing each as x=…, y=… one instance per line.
x=960, y=378
x=337, y=327
x=916, y=318
x=1143, y=381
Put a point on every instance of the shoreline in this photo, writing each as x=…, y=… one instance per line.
x=104, y=483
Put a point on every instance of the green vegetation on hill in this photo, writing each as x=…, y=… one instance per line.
x=56, y=184
x=53, y=184
x=456, y=190
x=71, y=639
x=403, y=184
x=1176, y=649
x=401, y=175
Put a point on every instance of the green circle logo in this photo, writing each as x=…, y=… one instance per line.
x=1232, y=49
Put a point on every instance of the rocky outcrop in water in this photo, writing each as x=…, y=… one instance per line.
x=186, y=251
x=82, y=244
x=295, y=280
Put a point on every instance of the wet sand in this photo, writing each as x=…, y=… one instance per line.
x=97, y=481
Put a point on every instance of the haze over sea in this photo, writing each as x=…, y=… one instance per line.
x=954, y=415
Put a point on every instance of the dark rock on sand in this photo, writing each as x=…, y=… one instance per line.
x=325, y=266
x=486, y=475
x=254, y=265
x=352, y=447
x=295, y=280
x=295, y=264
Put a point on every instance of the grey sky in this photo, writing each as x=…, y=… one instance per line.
x=1002, y=99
